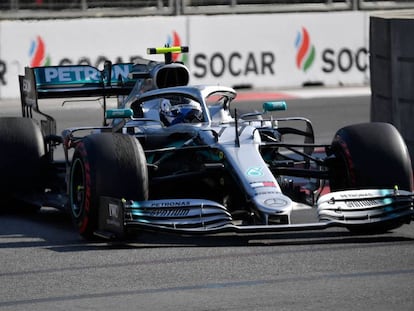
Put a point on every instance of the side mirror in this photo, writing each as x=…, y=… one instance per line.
x=274, y=106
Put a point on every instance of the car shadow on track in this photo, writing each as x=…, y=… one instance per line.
x=52, y=229
x=273, y=239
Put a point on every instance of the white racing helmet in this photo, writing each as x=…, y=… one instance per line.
x=182, y=111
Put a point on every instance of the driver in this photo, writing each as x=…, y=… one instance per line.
x=184, y=111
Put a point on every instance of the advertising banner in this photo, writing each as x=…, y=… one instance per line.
x=280, y=50
x=262, y=51
x=81, y=41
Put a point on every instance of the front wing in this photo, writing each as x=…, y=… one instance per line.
x=203, y=217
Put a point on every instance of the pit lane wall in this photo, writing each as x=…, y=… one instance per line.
x=275, y=51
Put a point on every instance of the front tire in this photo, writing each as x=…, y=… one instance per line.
x=370, y=156
x=111, y=165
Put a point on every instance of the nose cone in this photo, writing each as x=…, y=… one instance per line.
x=276, y=204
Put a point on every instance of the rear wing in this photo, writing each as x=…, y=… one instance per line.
x=86, y=81
x=74, y=81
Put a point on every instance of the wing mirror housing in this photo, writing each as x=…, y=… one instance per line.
x=119, y=113
x=274, y=106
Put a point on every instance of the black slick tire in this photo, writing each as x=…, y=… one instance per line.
x=370, y=156
x=111, y=165
x=21, y=159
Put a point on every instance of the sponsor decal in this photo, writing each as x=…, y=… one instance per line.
x=255, y=171
x=173, y=208
x=170, y=203
x=113, y=215
x=362, y=203
x=3, y=70
x=39, y=57
x=113, y=210
x=344, y=60
x=333, y=60
x=305, y=51
x=356, y=195
x=266, y=192
x=79, y=73
x=27, y=87
x=171, y=212
x=363, y=199
x=37, y=53
x=68, y=74
x=217, y=64
x=275, y=202
x=263, y=184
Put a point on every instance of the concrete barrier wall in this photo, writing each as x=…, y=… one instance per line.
x=392, y=72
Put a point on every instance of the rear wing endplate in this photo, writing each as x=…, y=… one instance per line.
x=74, y=81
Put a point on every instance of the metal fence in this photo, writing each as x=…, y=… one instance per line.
x=15, y=9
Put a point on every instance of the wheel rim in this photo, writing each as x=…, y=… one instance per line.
x=77, y=188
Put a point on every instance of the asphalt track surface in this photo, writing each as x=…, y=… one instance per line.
x=44, y=265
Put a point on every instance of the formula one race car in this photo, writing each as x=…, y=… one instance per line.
x=179, y=158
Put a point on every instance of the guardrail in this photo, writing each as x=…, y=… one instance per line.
x=385, y=4
x=257, y=6
x=43, y=9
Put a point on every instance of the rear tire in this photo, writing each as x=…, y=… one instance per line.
x=22, y=150
x=371, y=156
x=111, y=165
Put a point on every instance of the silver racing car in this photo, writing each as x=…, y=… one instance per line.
x=178, y=158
